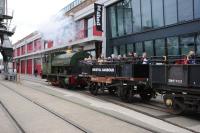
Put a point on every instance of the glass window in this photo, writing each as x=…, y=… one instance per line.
x=198, y=44
x=148, y=45
x=113, y=21
x=185, y=10
x=172, y=46
x=90, y=27
x=187, y=44
x=157, y=13
x=136, y=15
x=146, y=14
x=115, y=50
x=139, y=48
x=170, y=10
x=130, y=48
x=197, y=8
x=128, y=18
x=122, y=50
x=120, y=19
x=160, y=47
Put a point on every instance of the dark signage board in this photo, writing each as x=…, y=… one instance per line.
x=98, y=9
x=105, y=70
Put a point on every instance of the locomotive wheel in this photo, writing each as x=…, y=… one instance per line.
x=126, y=94
x=61, y=83
x=94, y=88
x=146, y=97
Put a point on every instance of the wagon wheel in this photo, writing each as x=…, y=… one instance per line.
x=94, y=88
x=126, y=94
x=112, y=90
x=147, y=93
x=177, y=107
x=146, y=97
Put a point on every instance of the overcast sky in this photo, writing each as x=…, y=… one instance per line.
x=30, y=14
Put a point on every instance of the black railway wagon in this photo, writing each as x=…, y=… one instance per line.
x=122, y=78
x=180, y=85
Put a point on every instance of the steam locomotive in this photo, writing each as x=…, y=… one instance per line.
x=178, y=83
x=62, y=69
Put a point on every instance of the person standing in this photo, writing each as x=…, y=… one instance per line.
x=144, y=58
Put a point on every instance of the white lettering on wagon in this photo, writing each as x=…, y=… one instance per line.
x=175, y=81
x=103, y=69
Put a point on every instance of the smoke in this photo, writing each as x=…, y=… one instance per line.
x=60, y=29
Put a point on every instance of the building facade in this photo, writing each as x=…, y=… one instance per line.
x=157, y=27
x=29, y=51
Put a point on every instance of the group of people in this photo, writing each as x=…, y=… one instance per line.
x=133, y=57
x=190, y=58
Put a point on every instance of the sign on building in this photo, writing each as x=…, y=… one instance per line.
x=98, y=9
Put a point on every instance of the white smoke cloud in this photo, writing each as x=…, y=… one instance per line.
x=60, y=29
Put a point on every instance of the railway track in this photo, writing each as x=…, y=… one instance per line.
x=144, y=105
x=125, y=106
x=11, y=118
x=47, y=109
x=69, y=121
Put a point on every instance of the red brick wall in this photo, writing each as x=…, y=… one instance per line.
x=29, y=66
x=18, y=52
x=23, y=66
x=23, y=50
x=37, y=45
x=30, y=47
x=49, y=44
x=37, y=65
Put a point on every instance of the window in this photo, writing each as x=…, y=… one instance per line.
x=136, y=15
x=160, y=47
x=120, y=19
x=113, y=21
x=198, y=44
x=139, y=48
x=148, y=45
x=157, y=13
x=187, y=44
x=172, y=46
x=197, y=8
x=90, y=27
x=128, y=18
x=130, y=48
x=185, y=10
x=122, y=50
x=115, y=50
x=146, y=14
x=170, y=10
